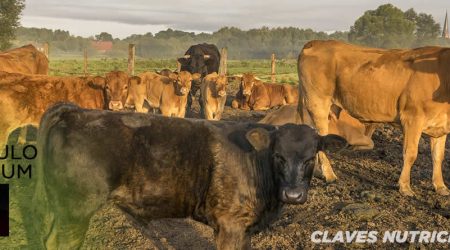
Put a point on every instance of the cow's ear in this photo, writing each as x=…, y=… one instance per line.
x=259, y=138
x=183, y=60
x=196, y=76
x=332, y=143
x=97, y=82
x=173, y=77
x=134, y=80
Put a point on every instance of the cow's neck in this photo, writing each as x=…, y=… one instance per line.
x=267, y=189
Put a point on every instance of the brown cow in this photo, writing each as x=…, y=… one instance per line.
x=168, y=94
x=339, y=123
x=24, y=98
x=165, y=72
x=408, y=87
x=26, y=60
x=214, y=95
x=263, y=96
x=116, y=86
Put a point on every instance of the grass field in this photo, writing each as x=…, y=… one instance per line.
x=286, y=70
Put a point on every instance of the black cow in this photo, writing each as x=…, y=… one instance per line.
x=203, y=59
x=232, y=176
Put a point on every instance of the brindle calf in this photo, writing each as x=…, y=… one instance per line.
x=234, y=177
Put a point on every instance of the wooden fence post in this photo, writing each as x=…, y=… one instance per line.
x=131, y=58
x=85, y=62
x=46, y=48
x=178, y=66
x=223, y=61
x=272, y=75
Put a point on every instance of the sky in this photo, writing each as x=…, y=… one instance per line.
x=122, y=18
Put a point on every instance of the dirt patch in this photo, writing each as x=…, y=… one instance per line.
x=365, y=197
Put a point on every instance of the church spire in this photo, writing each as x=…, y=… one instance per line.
x=445, y=33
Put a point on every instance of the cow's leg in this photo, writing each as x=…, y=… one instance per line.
x=208, y=114
x=411, y=132
x=181, y=112
x=232, y=236
x=437, y=153
x=319, y=109
x=66, y=235
x=165, y=111
x=370, y=129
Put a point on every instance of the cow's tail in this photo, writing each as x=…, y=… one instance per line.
x=43, y=220
x=301, y=94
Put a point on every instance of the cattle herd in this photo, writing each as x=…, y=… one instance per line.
x=125, y=138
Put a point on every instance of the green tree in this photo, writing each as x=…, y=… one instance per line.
x=10, y=11
x=385, y=27
x=104, y=36
x=427, y=29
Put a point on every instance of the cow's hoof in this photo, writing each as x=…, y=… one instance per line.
x=331, y=179
x=407, y=191
x=443, y=191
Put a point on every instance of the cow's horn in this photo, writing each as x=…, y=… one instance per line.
x=187, y=56
x=206, y=56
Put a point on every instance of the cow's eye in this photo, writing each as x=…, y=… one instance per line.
x=279, y=158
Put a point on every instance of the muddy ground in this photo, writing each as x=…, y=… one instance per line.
x=365, y=197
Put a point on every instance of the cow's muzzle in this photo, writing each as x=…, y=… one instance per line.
x=115, y=105
x=222, y=93
x=184, y=90
x=246, y=92
x=294, y=195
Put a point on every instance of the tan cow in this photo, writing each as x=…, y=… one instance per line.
x=116, y=87
x=339, y=123
x=26, y=60
x=257, y=95
x=168, y=94
x=409, y=87
x=214, y=95
x=24, y=98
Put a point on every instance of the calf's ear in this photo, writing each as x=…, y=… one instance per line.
x=134, y=80
x=97, y=82
x=196, y=76
x=259, y=138
x=332, y=143
x=173, y=77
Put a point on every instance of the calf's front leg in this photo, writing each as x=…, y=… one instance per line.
x=232, y=236
x=411, y=132
x=437, y=154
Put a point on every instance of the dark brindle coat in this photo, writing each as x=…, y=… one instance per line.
x=232, y=176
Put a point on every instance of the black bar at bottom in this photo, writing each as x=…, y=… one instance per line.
x=4, y=209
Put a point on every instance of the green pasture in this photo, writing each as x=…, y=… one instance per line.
x=286, y=70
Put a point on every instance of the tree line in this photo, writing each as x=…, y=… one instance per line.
x=385, y=27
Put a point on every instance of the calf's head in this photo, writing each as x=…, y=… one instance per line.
x=248, y=80
x=292, y=150
x=116, y=87
x=220, y=85
x=183, y=81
